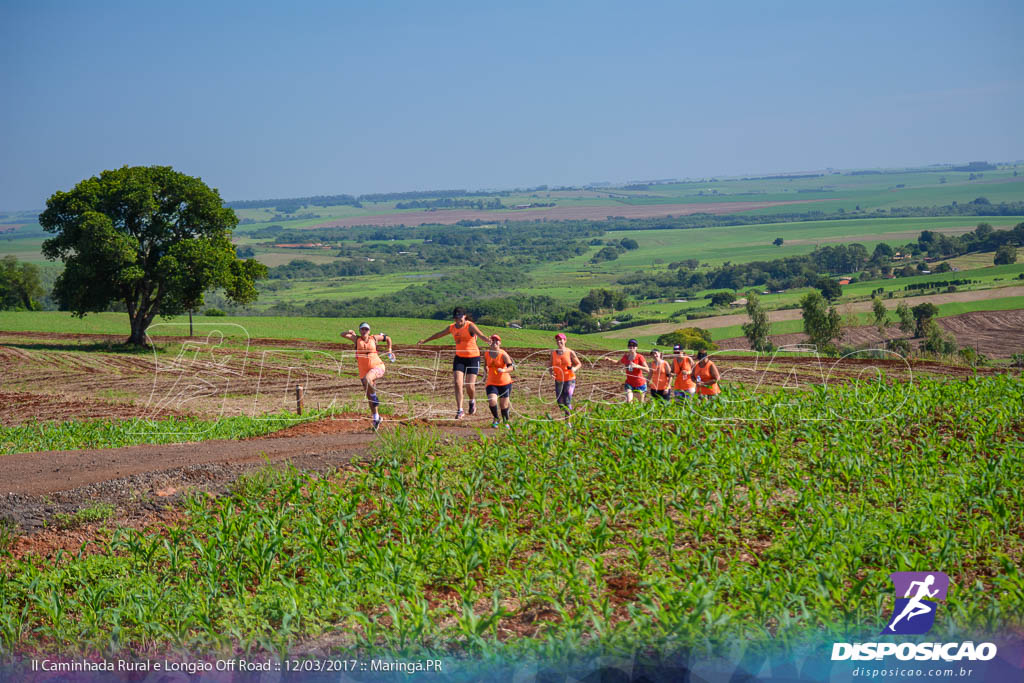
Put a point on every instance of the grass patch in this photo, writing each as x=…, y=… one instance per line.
x=98, y=512
x=78, y=434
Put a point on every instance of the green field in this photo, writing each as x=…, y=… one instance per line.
x=402, y=330
x=749, y=524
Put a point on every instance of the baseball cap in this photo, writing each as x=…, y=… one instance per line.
x=632, y=342
x=495, y=337
x=364, y=326
x=559, y=336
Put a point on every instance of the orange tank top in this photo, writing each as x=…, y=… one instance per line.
x=366, y=355
x=704, y=375
x=498, y=379
x=561, y=366
x=465, y=341
x=683, y=370
x=659, y=376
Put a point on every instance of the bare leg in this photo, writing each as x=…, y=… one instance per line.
x=371, y=396
x=458, y=377
x=471, y=387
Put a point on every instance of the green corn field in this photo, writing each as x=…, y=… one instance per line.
x=767, y=520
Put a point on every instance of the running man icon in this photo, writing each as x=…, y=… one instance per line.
x=914, y=613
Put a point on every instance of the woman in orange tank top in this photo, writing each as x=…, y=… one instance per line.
x=658, y=380
x=705, y=374
x=682, y=370
x=499, y=380
x=564, y=366
x=371, y=367
x=467, y=357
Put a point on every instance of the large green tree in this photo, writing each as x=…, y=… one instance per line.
x=150, y=237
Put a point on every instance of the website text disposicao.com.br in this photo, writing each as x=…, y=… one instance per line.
x=869, y=672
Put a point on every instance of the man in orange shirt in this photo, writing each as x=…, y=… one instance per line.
x=467, y=357
x=636, y=366
x=706, y=375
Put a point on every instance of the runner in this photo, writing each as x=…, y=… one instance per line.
x=636, y=366
x=467, y=357
x=371, y=367
x=706, y=376
x=659, y=376
x=499, y=380
x=682, y=369
x=564, y=366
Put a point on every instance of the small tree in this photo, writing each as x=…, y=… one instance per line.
x=19, y=285
x=1005, y=255
x=821, y=324
x=906, y=317
x=777, y=241
x=830, y=289
x=881, y=314
x=923, y=314
x=693, y=338
x=756, y=331
x=722, y=298
x=936, y=341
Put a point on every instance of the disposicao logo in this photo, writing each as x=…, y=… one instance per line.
x=914, y=613
x=918, y=595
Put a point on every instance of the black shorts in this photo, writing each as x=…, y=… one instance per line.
x=663, y=394
x=469, y=366
x=500, y=390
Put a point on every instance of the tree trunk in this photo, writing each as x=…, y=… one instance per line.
x=190, y=323
x=139, y=325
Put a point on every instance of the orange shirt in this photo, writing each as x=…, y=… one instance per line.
x=366, y=355
x=683, y=369
x=704, y=374
x=634, y=377
x=465, y=341
x=561, y=366
x=495, y=378
x=659, y=376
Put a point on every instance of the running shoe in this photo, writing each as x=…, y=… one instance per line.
x=459, y=414
x=472, y=407
x=495, y=424
x=377, y=419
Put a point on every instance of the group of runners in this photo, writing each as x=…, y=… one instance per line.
x=681, y=379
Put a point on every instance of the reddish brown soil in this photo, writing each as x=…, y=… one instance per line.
x=556, y=213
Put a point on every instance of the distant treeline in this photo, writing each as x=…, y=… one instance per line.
x=978, y=207
x=449, y=203
x=294, y=204
x=520, y=246
x=428, y=194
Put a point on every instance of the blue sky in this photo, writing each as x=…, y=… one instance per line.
x=296, y=99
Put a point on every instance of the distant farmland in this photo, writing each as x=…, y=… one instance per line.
x=555, y=213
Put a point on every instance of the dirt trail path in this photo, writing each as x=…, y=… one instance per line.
x=52, y=471
x=794, y=313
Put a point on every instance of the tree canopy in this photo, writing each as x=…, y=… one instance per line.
x=150, y=237
x=821, y=324
x=19, y=285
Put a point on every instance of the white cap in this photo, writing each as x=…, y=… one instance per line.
x=364, y=325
